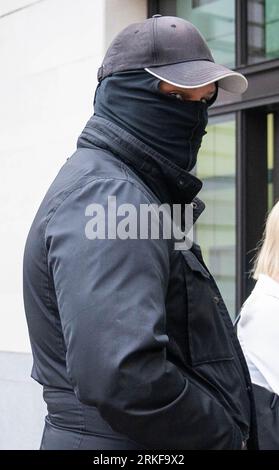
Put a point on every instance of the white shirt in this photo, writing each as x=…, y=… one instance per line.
x=258, y=333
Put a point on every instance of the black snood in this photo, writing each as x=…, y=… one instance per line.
x=133, y=101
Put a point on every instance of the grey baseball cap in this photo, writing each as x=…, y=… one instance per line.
x=173, y=50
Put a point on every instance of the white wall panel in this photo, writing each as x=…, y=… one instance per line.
x=49, y=55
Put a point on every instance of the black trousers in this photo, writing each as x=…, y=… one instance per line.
x=267, y=409
x=70, y=425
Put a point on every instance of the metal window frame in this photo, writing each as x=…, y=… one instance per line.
x=276, y=157
x=162, y=7
x=251, y=194
x=250, y=110
x=241, y=40
x=153, y=7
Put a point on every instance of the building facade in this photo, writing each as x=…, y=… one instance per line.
x=50, y=52
x=239, y=158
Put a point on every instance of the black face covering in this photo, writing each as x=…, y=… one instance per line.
x=174, y=128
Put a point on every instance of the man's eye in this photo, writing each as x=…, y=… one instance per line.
x=177, y=95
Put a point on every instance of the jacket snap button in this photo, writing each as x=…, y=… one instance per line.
x=194, y=205
x=180, y=182
x=216, y=299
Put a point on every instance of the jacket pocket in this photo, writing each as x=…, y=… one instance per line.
x=208, y=337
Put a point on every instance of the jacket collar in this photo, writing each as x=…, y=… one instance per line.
x=171, y=184
x=267, y=285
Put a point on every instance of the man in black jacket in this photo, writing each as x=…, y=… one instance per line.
x=130, y=336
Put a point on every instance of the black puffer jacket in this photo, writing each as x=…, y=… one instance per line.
x=138, y=330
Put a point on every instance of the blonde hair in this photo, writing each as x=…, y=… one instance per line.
x=267, y=259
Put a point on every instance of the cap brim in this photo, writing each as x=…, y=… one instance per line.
x=197, y=73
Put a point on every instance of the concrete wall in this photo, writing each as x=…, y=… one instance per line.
x=22, y=408
x=120, y=13
x=50, y=51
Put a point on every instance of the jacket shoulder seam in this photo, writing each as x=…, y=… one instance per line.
x=96, y=178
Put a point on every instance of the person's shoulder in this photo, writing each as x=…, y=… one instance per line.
x=98, y=166
x=266, y=294
x=92, y=175
x=259, y=308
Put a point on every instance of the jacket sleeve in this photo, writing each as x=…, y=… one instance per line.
x=111, y=299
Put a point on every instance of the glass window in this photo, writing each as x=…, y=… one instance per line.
x=215, y=230
x=263, y=26
x=214, y=18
